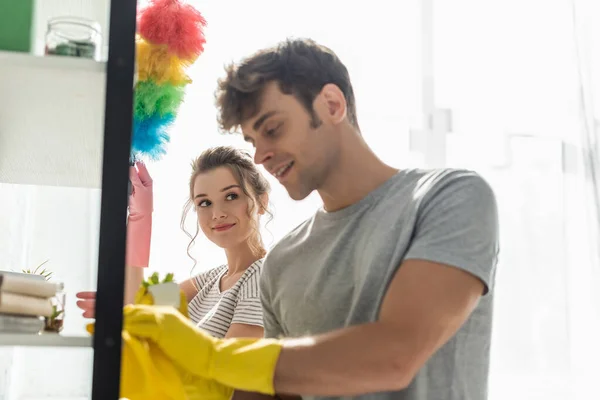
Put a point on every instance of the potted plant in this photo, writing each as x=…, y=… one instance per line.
x=159, y=292
x=154, y=291
x=44, y=273
x=53, y=323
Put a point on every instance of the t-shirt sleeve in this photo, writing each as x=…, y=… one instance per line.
x=200, y=280
x=457, y=225
x=272, y=327
x=248, y=308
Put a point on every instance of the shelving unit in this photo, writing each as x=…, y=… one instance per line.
x=67, y=122
x=44, y=340
x=57, y=146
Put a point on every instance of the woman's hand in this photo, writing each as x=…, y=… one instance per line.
x=139, y=221
x=87, y=303
x=141, y=199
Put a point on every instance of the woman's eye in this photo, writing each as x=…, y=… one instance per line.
x=231, y=196
x=203, y=203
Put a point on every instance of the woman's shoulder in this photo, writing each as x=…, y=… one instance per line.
x=210, y=274
x=249, y=283
x=216, y=270
x=254, y=270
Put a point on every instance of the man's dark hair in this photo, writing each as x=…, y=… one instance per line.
x=301, y=67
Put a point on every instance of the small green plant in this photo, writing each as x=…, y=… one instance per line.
x=56, y=312
x=154, y=279
x=53, y=322
x=39, y=271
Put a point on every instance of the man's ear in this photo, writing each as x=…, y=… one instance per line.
x=334, y=105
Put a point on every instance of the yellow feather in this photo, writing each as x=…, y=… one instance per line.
x=154, y=62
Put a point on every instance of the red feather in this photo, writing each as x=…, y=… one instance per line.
x=179, y=26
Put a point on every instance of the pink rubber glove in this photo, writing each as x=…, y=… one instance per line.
x=139, y=221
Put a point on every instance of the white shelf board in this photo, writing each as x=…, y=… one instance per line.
x=51, y=120
x=43, y=340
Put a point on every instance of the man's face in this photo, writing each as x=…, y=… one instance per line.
x=289, y=145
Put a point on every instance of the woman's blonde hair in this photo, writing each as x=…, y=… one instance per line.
x=251, y=181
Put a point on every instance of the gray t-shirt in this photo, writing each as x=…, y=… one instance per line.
x=333, y=270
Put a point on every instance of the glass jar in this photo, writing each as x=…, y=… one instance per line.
x=54, y=323
x=73, y=36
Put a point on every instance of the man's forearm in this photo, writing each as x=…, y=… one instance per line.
x=352, y=361
x=239, y=395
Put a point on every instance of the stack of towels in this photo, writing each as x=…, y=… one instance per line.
x=25, y=302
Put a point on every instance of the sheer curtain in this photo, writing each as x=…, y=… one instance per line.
x=585, y=324
x=511, y=73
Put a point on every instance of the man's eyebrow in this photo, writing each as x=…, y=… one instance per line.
x=262, y=119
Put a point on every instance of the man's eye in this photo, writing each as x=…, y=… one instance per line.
x=273, y=131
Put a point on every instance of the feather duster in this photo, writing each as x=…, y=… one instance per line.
x=150, y=136
x=179, y=26
x=157, y=63
x=161, y=100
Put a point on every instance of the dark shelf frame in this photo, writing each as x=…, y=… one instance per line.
x=118, y=122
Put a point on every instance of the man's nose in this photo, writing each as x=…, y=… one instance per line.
x=262, y=155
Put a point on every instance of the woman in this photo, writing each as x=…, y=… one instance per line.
x=229, y=196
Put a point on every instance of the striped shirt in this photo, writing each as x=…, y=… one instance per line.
x=214, y=311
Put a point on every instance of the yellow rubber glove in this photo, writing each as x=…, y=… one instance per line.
x=142, y=296
x=244, y=364
x=148, y=374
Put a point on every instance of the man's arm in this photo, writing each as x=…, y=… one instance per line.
x=244, y=330
x=449, y=265
x=424, y=307
x=239, y=395
x=272, y=330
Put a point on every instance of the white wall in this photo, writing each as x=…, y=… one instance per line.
x=60, y=225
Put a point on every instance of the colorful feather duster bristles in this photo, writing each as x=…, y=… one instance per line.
x=155, y=62
x=179, y=26
x=170, y=39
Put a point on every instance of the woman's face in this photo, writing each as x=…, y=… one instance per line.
x=222, y=208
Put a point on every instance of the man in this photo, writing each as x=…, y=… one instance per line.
x=388, y=288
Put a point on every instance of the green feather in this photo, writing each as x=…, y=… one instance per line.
x=151, y=99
